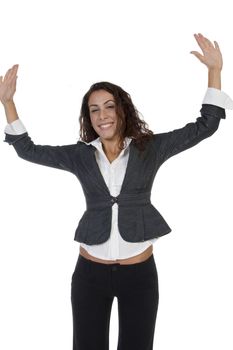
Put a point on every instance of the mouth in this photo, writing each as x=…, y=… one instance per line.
x=106, y=126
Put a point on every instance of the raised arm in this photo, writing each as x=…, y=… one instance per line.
x=60, y=157
x=213, y=108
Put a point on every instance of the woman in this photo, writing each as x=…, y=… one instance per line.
x=116, y=161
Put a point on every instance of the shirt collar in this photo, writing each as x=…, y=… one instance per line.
x=97, y=143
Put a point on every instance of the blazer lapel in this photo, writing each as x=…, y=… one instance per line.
x=131, y=166
x=92, y=168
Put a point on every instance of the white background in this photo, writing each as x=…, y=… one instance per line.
x=62, y=47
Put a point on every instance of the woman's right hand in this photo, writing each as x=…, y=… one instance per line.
x=8, y=85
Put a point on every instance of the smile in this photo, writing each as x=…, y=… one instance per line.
x=106, y=126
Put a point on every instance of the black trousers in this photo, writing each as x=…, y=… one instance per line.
x=93, y=288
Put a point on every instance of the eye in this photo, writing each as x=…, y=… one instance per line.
x=110, y=106
x=94, y=110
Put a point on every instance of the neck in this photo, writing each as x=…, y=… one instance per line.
x=110, y=146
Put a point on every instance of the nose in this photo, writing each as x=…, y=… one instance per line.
x=102, y=115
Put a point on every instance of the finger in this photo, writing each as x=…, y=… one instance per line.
x=12, y=74
x=7, y=74
x=13, y=70
x=16, y=67
x=201, y=41
x=14, y=85
x=208, y=42
x=198, y=55
x=12, y=80
x=216, y=45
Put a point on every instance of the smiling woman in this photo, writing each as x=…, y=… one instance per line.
x=106, y=103
x=116, y=161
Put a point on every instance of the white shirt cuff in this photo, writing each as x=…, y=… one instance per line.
x=218, y=98
x=15, y=128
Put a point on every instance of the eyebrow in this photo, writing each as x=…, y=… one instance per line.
x=104, y=103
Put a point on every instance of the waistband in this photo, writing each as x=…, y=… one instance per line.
x=115, y=266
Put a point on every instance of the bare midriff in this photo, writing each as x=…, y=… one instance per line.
x=132, y=260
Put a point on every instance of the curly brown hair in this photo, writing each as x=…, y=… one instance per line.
x=130, y=124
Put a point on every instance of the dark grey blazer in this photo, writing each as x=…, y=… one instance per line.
x=138, y=219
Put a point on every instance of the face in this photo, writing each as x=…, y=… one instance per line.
x=102, y=108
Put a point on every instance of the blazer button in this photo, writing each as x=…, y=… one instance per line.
x=114, y=199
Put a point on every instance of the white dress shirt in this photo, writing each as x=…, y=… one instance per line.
x=113, y=173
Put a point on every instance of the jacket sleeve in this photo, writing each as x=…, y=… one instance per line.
x=170, y=143
x=60, y=157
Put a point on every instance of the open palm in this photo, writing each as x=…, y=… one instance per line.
x=212, y=56
x=8, y=84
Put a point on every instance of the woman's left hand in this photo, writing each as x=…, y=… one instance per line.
x=212, y=56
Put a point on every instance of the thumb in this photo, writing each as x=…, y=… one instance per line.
x=198, y=55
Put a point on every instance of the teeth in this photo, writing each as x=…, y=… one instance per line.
x=105, y=126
